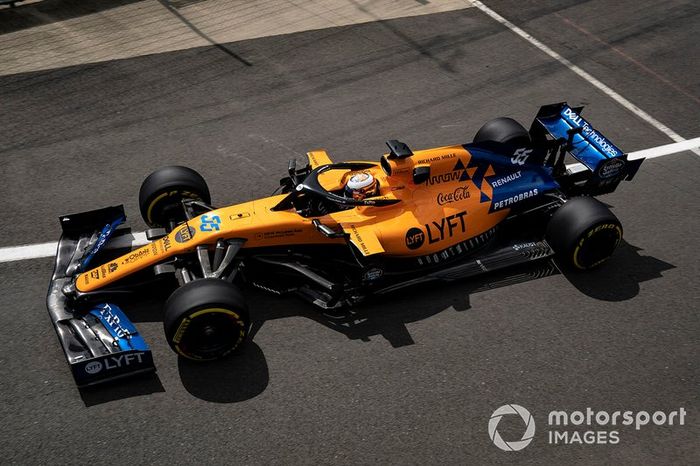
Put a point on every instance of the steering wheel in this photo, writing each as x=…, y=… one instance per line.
x=311, y=185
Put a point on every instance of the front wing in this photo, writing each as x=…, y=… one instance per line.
x=99, y=341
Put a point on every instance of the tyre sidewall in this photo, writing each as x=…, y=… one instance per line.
x=503, y=130
x=187, y=303
x=584, y=233
x=166, y=187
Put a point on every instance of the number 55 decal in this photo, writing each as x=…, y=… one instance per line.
x=210, y=223
x=520, y=156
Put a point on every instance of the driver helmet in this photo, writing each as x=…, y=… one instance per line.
x=361, y=185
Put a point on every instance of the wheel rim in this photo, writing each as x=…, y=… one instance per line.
x=209, y=333
x=597, y=245
x=165, y=202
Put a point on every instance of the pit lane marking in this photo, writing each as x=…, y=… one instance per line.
x=584, y=74
x=42, y=250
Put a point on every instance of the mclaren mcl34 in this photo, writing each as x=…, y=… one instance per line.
x=335, y=234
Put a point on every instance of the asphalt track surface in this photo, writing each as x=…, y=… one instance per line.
x=417, y=378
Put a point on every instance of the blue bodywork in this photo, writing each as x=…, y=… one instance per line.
x=588, y=145
x=515, y=180
x=102, y=239
x=120, y=327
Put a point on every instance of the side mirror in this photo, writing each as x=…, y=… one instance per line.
x=421, y=174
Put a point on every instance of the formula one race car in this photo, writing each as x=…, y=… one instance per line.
x=336, y=234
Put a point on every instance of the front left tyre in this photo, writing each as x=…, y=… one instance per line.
x=206, y=319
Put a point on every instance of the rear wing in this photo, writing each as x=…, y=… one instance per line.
x=607, y=164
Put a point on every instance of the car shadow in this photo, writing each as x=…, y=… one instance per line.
x=619, y=278
x=387, y=316
x=236, y=378
x=246, y=375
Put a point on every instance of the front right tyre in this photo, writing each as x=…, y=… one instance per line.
x=206, y=319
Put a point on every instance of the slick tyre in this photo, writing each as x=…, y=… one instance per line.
x=206, y=319
x=583, y=233
x=161, y=194
x=503, y=130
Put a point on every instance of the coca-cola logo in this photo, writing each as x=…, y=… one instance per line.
x=459, y=194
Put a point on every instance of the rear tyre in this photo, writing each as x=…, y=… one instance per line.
x=161, y=194
x=206, y=319
x=503, y=130
x=583, y=233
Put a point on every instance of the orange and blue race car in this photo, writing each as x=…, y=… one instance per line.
x=335, y=234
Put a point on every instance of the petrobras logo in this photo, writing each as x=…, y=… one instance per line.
x=589, y=133
x=509, y=201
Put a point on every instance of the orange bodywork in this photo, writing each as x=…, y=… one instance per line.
x=443, y=211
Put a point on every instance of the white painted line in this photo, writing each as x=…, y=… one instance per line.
x=41, y=250
x=129, y=240
x=668, y=149
x=38, y=251
x=584, y=74
x=29, y=251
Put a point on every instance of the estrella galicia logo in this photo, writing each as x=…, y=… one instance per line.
x=527, y=418
x=612, y=168
x=414, y=238
x=373, y=274
x=184, y=234
x=93, y=367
